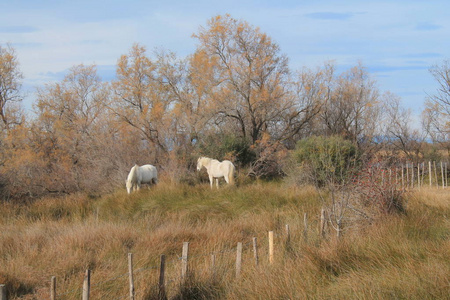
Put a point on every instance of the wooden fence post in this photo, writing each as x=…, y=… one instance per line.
x=184, y=261
x=446, y=177
x=418, y=175
x=238, y=259
x=338, y=229
x=429, y=171
x=412, y=175
x=2, y=292
x=213, y=266
x=305, y=230
x=161, y=286
x=53, y=288
x=442, y=175
x=407, y=175
x=288, y=234
x=255, y=251
x=322, y=223
x=396, y=177
x=435, y=173
x=423, y=173
x=87, y=285
x=403, y=180
x=130, y=275
x=271, y=247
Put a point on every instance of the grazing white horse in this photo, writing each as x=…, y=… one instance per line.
x=139, y=175
x=217, y=169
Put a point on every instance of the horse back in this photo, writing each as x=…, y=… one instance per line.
x=226, y=167
x=148, y=172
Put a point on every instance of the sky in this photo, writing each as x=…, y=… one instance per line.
x=397, y=41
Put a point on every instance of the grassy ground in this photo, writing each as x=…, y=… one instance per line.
x=399, y=257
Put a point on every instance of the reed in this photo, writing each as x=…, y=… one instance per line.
x=402, y=256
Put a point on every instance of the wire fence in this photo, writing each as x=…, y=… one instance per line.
x=407, y=175
x=420, y=174
x=173, y=283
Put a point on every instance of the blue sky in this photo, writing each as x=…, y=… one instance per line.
x=398, y=41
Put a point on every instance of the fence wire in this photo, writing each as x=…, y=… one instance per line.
x=168, y=281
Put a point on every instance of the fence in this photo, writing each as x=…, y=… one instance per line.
x=184, y=266
x=417, y=175
x=408, y=175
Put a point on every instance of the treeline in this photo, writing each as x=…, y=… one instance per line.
x=234, y=98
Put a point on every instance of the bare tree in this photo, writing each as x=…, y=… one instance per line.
x=436, y=116
x=10, y=87
x=353, y=108
x=398, y=130
x=311, y=91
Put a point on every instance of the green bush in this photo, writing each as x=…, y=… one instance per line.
x=327, y=159
x=228, y=146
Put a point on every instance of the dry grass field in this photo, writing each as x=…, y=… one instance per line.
x=405, y=256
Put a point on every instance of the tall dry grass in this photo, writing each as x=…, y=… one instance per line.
x=400, y=257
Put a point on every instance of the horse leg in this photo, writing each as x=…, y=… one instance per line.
x=211, y=181
x=217, y=182
x=226, y=179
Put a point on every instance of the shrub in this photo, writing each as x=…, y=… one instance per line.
x=228, y=146
x=327, y=159
x=270, y=158
x=378, y=190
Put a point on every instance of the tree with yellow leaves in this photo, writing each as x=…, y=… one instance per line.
x=139, y=100
x=71, y=121
x=244, y=74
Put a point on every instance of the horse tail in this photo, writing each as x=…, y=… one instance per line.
x=155, y=180
x=231, y=174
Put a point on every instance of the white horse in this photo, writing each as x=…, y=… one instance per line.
x=139, y=175
x=217, y=169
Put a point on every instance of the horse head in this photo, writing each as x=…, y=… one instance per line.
x=129, y=186
x=132, y=178
x=199, y=163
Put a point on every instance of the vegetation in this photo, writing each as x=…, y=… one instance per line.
x=403, y=256
x=326, y=159
x=234, y=98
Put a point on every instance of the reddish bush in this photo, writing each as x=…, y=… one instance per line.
x=377, y=187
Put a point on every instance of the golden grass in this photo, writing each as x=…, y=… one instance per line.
x=435, y=197
x=400, y=257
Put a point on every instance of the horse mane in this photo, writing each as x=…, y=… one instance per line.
x=133, y=176
x=207, y=158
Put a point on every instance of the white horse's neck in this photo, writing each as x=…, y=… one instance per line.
x=207, y=163
x=134, y=173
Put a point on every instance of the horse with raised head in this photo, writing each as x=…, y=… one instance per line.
x=139, y=175
x=217, y=169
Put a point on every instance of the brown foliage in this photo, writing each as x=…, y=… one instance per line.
x=248, y=75
x=270, y=157
x=86, y=134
